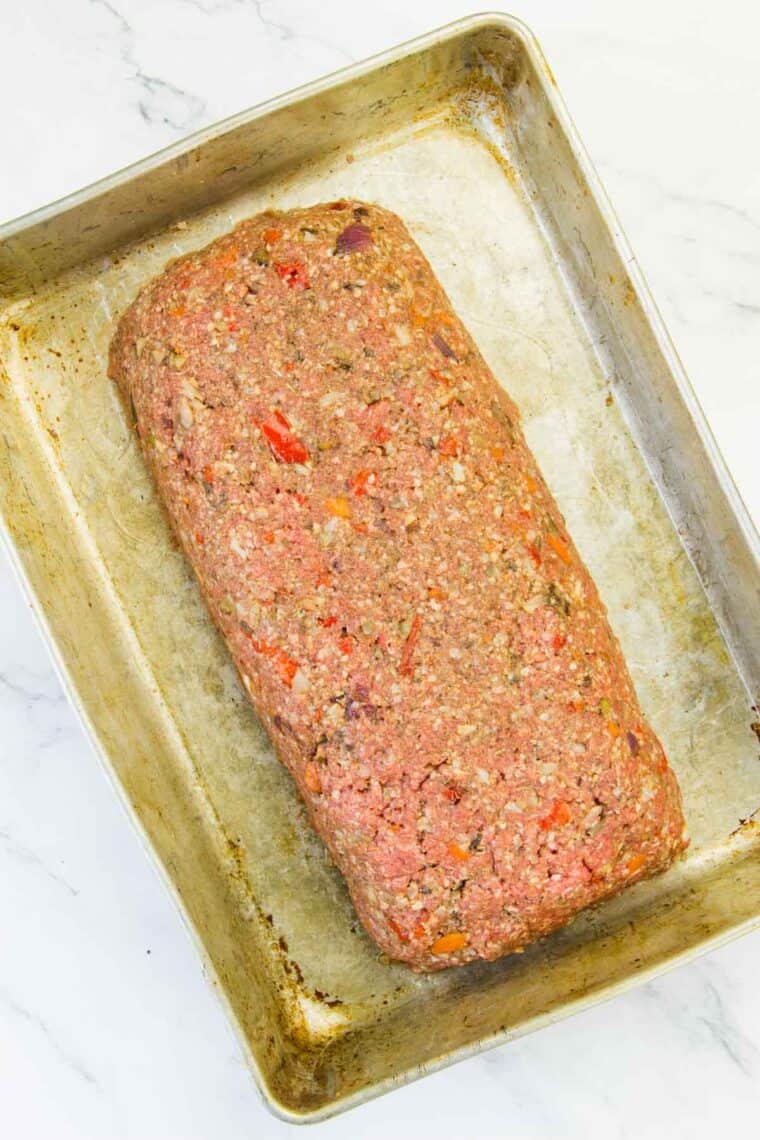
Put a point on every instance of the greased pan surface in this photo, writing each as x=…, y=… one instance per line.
x=463, y=134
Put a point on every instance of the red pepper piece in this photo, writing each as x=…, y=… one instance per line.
x=533, y=552
x=397, y=930
x=361, y=480
x=559, y=815
x=293, y=273
x=452, y=793
x=406, y=665
x=229, y=315
x=285, y=446
x=284, y=665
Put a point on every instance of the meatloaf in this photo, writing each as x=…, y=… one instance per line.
x=395, y=583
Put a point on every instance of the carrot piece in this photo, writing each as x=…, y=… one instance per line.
x=531, y=484
x=437, y=594
x=458, y=853
x=560, y=548
x=271, y=235
x=497, y=453
x=449, y=447
x=207, y=474
x=227, y=258
x=328, y=621
x=443, y=318
x=345, y=645
x=406, y=665
x=339, y=507
x=450, y=943
x=558, y=641
x=635, y=863
x=312, y=778
x=381, y=434
x=559, y=815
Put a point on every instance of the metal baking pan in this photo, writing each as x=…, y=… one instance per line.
x=464, y=134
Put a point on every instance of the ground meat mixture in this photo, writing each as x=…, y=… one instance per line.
x=395, y=583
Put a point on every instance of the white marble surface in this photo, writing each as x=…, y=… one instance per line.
x=107, y=1028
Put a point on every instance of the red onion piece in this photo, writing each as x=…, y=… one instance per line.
x=354, y=238
x=443, y=347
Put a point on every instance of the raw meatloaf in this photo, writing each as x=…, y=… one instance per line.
x=395, y=583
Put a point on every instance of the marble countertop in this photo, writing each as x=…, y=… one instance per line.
x=107, y=1026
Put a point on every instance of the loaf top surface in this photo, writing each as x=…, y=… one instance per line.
x=395, y=582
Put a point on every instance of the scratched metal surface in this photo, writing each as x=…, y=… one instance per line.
x=465, y=138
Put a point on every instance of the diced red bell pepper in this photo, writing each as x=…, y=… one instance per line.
x=286, y=447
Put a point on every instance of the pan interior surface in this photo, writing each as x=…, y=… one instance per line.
x=459, y=149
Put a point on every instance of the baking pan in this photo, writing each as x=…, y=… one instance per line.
x=464, y=134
